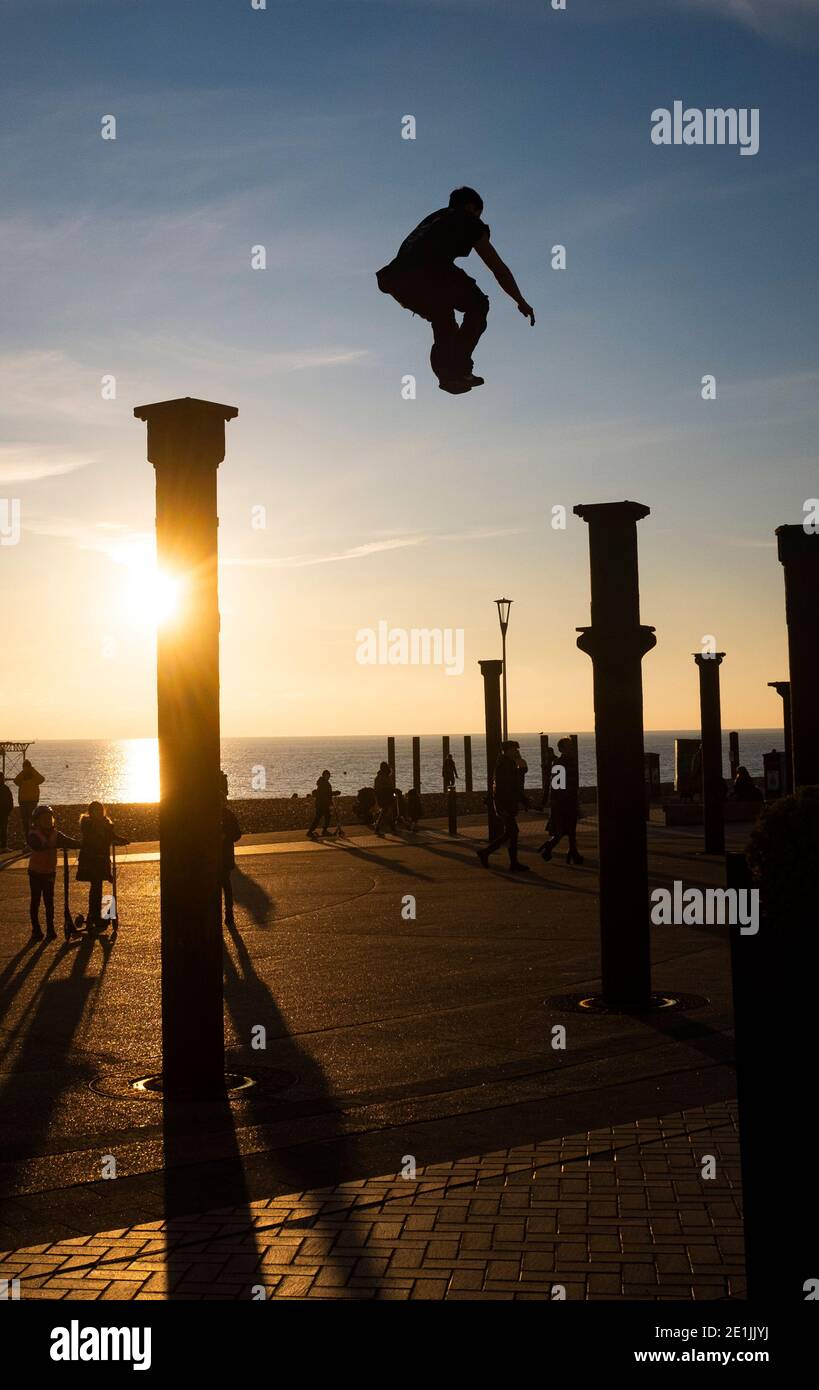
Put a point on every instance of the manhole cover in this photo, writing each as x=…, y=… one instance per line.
x=234, y=1082
x=662, y=1001
x=261, y=1081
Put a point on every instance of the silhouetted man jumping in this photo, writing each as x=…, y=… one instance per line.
x=424, y=278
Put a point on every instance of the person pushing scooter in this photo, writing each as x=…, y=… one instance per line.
x=94, y=861
x=44, y=840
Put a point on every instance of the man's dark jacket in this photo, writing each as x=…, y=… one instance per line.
x=508, y=794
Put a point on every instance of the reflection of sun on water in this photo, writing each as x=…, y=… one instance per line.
x=136, y=776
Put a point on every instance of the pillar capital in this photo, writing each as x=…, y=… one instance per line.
x=601, y=644
x=186, y=432
x=781, y=687
x=708, y=659
x=611, y=512
x=795, y=543
x=490, y=668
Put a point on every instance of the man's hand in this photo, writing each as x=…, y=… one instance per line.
x=504, y=276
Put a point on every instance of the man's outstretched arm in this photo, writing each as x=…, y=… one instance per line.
x=504, y=276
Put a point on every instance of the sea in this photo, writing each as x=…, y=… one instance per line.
x=127, y=770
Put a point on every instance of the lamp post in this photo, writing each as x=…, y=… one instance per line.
x=504, y=604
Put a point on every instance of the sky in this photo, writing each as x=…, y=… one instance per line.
x=239, y=127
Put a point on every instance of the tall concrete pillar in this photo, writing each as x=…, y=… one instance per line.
x=491, y=672
x=713, y=787
x=391, y=753
x=783, y=688
x=799, y=554
x=186, y=444
x=416, y=762
x=468, y=762
x=616, y=641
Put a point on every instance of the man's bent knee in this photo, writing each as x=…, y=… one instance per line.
x=479, y=306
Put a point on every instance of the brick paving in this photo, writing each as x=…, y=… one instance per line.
x=619, y=1212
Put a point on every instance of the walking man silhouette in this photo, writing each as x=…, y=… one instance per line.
x=423, y=278
x=508, y=796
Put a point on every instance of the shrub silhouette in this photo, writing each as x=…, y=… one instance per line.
x=783, y=856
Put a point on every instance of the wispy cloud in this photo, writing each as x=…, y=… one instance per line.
x=118, y=542
x=357, y=552
x=250, y=363
x=48, y=384
x=773, y=18
x=783, y=19
x=29, y=462
x=743, y=542
x=361, y=552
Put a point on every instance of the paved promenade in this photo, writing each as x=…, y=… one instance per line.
x=615, y=1213
x=408, y=1002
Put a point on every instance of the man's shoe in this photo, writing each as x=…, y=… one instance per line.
x=483, y=855
x=475, y=380
x=545, y=852
x=457, y=387
x=519, y=869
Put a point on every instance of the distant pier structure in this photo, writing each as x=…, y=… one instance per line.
x=16, y=752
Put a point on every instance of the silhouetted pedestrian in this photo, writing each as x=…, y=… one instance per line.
x=28, y=782
x=323, y=794
x=97, y=835
x=364, y=805
x=230, y=834
x=564, y=803
x=415, y=808
x=44, y=840
x=508, y=797
x=423, y=278
x=6, y=808
x=743, y=787
x=384, y=787
x=449, y=772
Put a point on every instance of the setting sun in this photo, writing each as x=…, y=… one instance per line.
x=151, y=595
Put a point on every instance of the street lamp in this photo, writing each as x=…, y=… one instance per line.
x=504, y=604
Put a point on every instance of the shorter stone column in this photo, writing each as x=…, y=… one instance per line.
x=783, y=688
x=491, y=672
x=468, y=762
x=713, y=787
x=416, y=762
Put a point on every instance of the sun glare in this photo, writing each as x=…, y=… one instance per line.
x=151, y=596
x=162, y=596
